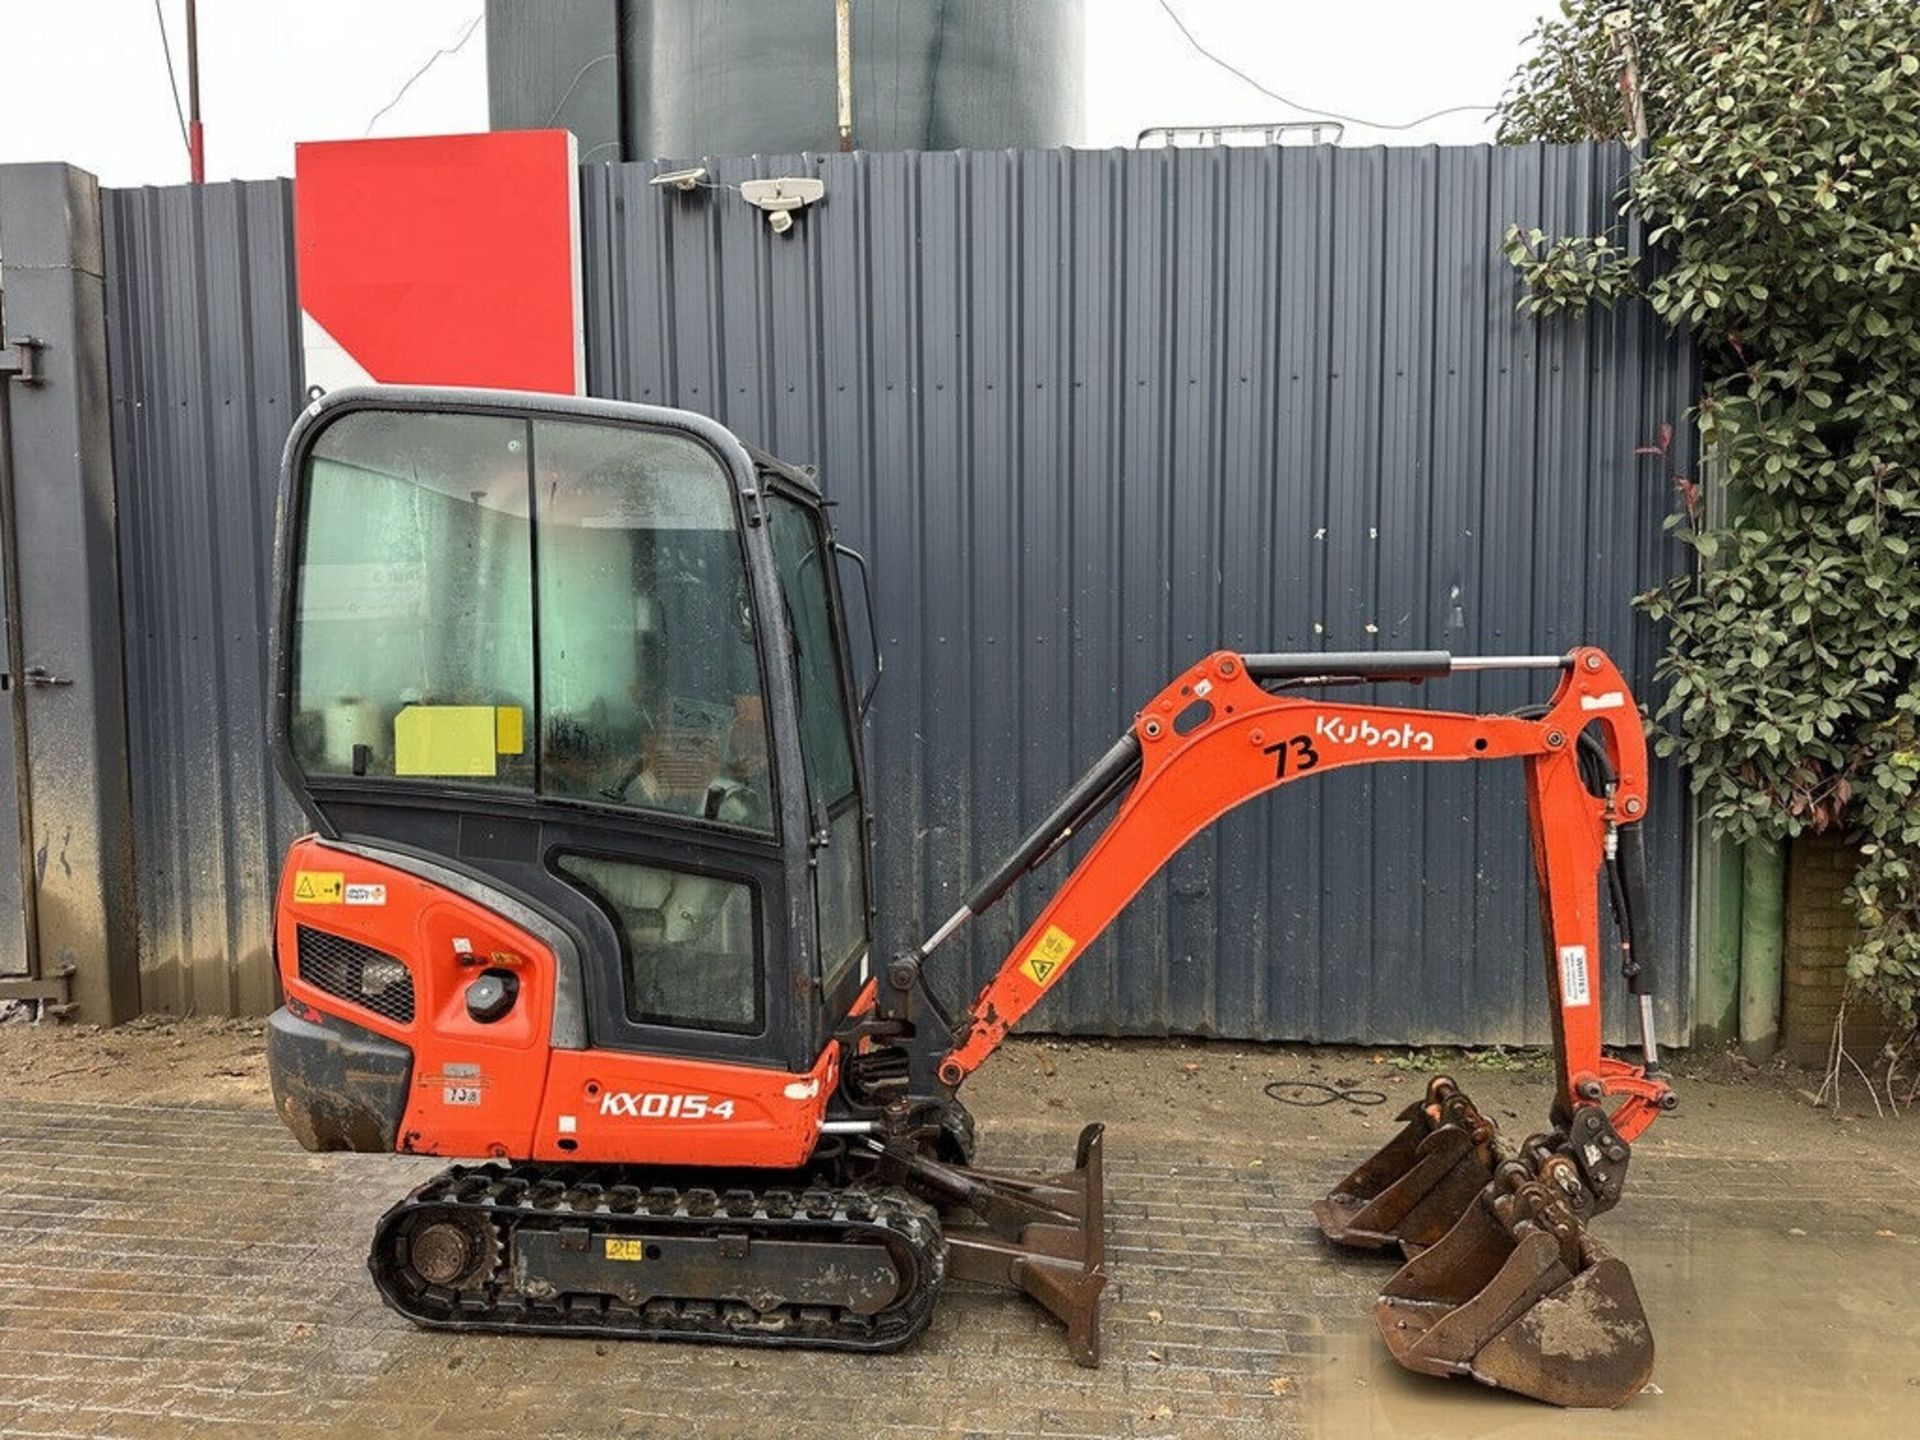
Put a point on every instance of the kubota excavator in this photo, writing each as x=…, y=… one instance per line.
x=566, y=690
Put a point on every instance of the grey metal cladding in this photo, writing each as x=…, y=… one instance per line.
x=1093, y=414
x=1096, y=413
x=203, y=338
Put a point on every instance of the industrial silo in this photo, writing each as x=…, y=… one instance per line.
x=639, y=79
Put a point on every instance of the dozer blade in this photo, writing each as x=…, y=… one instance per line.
x=1518, y=1296
x=1046, y=1236
x=1411, y=1191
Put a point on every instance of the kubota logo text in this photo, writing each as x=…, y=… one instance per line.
x=1370, y=736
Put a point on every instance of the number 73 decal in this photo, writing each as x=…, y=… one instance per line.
x=1297, y=748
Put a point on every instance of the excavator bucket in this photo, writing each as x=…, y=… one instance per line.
x=1517, y=1295
x=1410, y=1192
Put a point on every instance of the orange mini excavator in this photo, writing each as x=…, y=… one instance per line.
x=566, y=690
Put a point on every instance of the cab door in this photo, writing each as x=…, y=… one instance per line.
x=815, y=643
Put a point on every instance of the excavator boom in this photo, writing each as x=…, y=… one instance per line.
x=1216, y=737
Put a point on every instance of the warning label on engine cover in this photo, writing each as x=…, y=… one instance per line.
x=319, y=887
x=1573, y=976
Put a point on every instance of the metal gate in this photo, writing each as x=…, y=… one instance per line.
x=1093, y=414
x=67, y=939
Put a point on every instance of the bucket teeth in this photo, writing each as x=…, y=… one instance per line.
x=1517, y=1295
x=1410, y=1192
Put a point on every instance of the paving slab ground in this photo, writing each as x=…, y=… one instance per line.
x=176, y=1266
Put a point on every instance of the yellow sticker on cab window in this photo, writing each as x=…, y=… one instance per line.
x=1043, y=962
x=509, y=729
x=452, y=740
x=618, y=1249
x=320, y=887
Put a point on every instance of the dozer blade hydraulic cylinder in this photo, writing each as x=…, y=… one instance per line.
x=1517, y=1295
x=1410, y=1192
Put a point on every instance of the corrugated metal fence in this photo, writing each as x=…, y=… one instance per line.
x=204, y=354
x=1093, y=414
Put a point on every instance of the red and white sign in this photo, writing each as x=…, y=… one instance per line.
x=441, y=260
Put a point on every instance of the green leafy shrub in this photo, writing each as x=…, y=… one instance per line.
x=1783, y=181
x=1569, y=273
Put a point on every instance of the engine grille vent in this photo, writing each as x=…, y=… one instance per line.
x=357, y=973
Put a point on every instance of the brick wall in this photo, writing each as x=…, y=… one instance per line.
x=1820, y=931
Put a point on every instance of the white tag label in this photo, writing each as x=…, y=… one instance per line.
x=1573, y=976
x=1612, y=700
x=460, y=1095
x=366, y=894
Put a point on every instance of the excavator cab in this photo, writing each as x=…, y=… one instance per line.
x=566, y=692
x=595, y=657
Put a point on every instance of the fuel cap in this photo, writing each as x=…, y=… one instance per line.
x=492, y=995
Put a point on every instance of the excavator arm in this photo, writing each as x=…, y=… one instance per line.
x=1217, y=736
x=1496, y=1240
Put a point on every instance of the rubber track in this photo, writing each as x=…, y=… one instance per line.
x=506, y=1199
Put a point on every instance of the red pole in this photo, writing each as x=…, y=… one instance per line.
x=196, y=138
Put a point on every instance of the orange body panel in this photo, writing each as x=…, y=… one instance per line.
x=488, y=1102
x=499, y=1090
x=662, y=1109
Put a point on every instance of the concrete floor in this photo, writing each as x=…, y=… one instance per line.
x=182, y=1268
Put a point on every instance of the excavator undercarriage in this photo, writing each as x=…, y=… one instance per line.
x=571, y=1251
x=845, y=1255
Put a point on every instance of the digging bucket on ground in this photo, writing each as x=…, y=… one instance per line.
x=1410, y=1192
x=1517, y=1295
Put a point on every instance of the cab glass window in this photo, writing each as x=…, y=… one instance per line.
x=528, y=603
x=649, y=682
x=688, y=943
x=413, y=605
x=826, y=733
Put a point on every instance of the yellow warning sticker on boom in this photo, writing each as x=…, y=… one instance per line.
x=320, y=887
x=1047, y=956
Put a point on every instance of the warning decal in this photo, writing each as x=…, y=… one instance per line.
x=319, y=887
x=1046, y=957
x=623, y=1249
x=1573, y=976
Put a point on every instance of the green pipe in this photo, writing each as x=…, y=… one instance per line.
x=1720, y=876
x=1763, y=904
